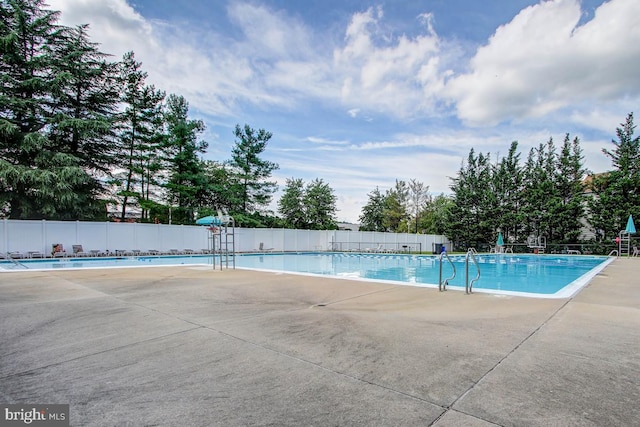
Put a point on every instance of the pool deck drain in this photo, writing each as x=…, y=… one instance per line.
x=186, y=346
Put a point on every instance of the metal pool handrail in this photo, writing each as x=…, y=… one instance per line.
x=8, y=257
x=469, y=285
x=611, y=253
x=442, y=286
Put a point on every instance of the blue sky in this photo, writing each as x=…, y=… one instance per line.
x=361, y=93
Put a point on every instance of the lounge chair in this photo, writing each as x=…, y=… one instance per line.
x=153, y=252
x=36, y=254
x=16, y=255
x=78, y=251
x=261, y=248
x=96, y=253
x=636, y=251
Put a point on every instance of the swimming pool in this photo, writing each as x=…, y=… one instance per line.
x=542, y=276
x=528, y=275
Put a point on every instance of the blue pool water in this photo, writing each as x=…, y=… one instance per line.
x=542, y=275
x=528, y=275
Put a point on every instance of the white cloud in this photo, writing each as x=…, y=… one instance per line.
x=325, y=141
x=397, y=76
x=276, y=61
x=542, y=61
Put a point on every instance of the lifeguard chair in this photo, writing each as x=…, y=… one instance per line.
x=537, y=243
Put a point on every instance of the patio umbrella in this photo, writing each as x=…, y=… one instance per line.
x=500, y=241
x=631, y=227
x=209, y=220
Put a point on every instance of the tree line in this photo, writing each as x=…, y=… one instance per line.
x=551, y=194
x=82, y=135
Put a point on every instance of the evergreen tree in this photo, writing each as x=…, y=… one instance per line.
x=140, y=138
x=507, y=185
x=186, y=182
x=85, y=102
x=252, y=189
x=540, y=194
x=569, y=208
x=38, y=178
x=372, y=216
x=219, y=185
x=618, y=191
x=472, y=221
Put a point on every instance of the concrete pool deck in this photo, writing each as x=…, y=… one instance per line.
x=188, y=346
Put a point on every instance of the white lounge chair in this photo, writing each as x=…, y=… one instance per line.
x=78, y=251
x=16, y=255
x=261, y=248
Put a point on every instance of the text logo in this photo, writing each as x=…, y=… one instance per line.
x=35, y=415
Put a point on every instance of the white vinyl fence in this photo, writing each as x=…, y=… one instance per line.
x=26, y=236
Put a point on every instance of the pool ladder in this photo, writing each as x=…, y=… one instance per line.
x=442, y=284
x=469, y=284
x=8, y=257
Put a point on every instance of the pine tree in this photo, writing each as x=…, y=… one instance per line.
x=39, y=177
x=140, y=137
x=252, y=189
x=568, y=176
x=618, y=191
x=85, y=102
x=507, y=184
x=540, y=194
x=186, y=182
x=472, y=221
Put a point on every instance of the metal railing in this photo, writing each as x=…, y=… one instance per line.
x=469, y=284
x=442, y=285
x=17, y=263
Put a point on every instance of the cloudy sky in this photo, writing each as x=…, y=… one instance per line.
x=360, y=93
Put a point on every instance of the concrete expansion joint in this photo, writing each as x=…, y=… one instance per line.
x=84, y=356
x=324, y=304
x=319, y=366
